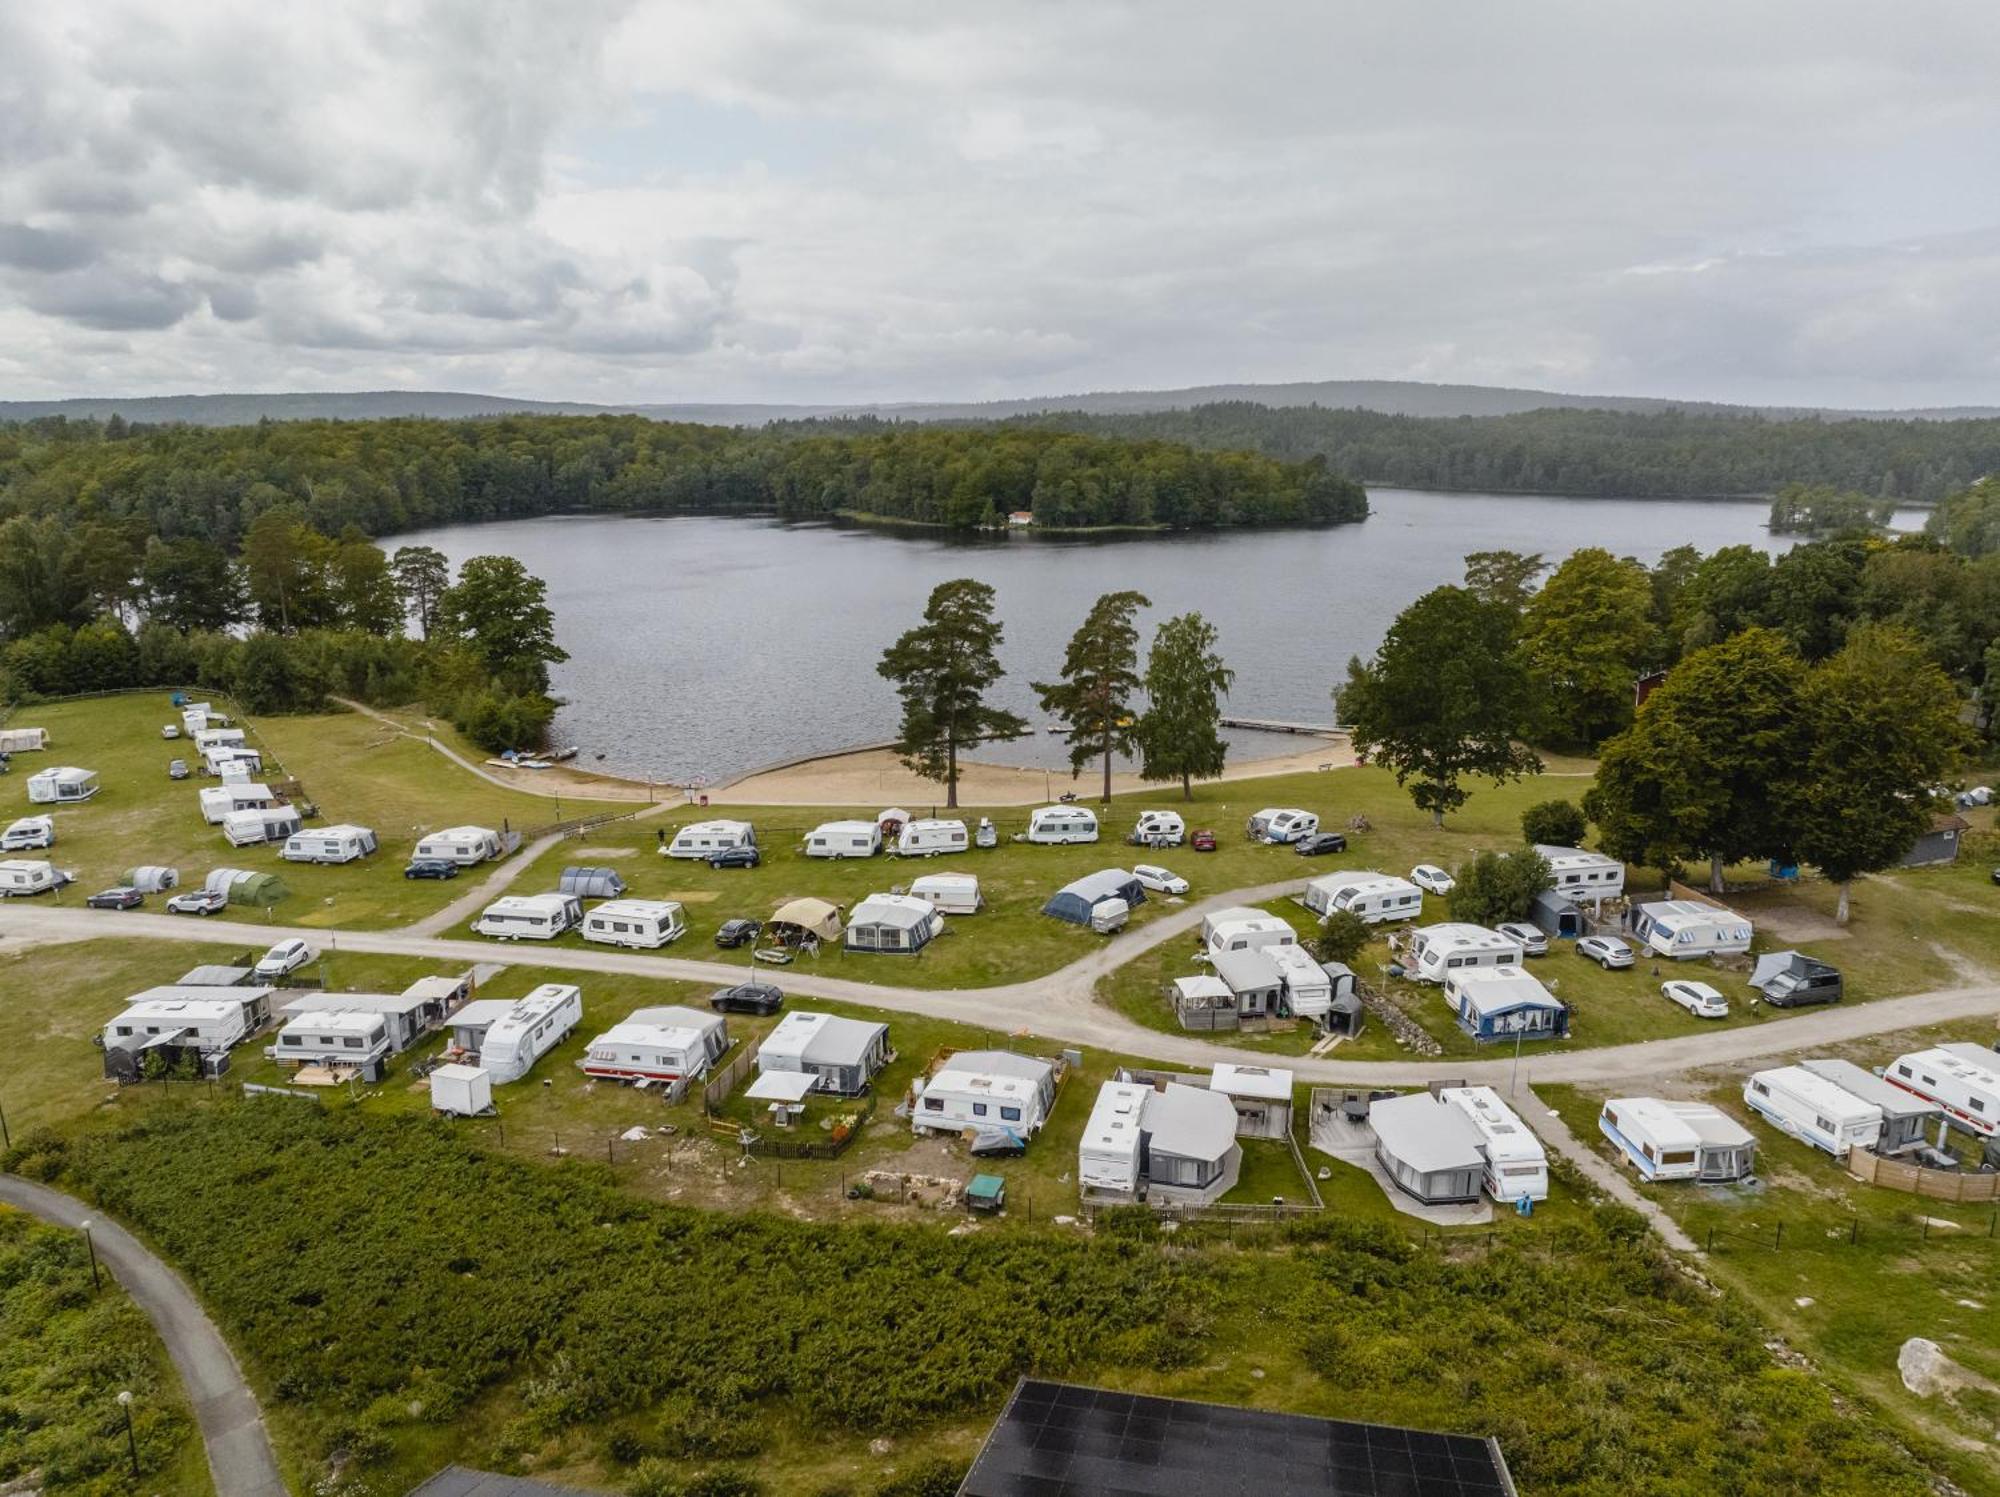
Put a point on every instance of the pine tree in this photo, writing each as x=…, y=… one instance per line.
x=942, y=670
x=1180, y=734
x=1100, y=679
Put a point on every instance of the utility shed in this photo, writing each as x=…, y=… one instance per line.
x=1261, y=1095
x=1062, y=1440
x=1940, y=843
x=1429, y=1147
x=1905, y=1116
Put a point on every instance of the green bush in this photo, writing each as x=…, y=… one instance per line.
x=1554, y=823
x=1495, y=886
x=1343, y=935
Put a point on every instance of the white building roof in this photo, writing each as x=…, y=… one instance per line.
x=1459, y=936
x=902, y=911
x=339, y=829
x=1362, y=880
x=821, y=1039
x=1244, y=970
x=720, y=828
x=190, y=992
x=677, y=1016
x=1968, y=1063
x=1508, y=1139
x=1492, y=990
x=524, y=904
x=1114, y=1124
x=180, y=1010
x=1711, y=1125
x=1294, y=964
x=1566, y=859
x=946, y=881
x=352, y=1003
x=1426, y=1134
x=460, y=834
x=636, y=909
x=434, y=989
x=1829, y=1097
x=334, y=1021
x=1675, y=914
x=1264, y=1083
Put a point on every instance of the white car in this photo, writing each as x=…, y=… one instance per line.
x=1432, y=879
x=1698, y=998
x=1157, y=880
x=28, y=833
x=283, y=959
x=1534, y=941
x=1608, y=952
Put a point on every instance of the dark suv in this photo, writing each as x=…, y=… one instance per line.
x=736, y=933
x=1319, y=844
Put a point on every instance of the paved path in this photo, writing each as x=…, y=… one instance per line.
x=1605, y=1175
x=239, y=1452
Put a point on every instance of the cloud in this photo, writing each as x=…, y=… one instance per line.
x=671, y=199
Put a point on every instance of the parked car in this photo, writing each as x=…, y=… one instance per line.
x=1432, y=879
x=1153, y=877
x=736, y=857
x=1202, y=841
x=177, y=769
x=6, y=763
x=1698, y=998
x=282, y=959
x=124, y=897
x=736, y=933
x=29, y=833
x=758, y=998
x=1533, y=939
x=197, y=902
x=1608, y=952
x=1319, y=844
x=431, y=868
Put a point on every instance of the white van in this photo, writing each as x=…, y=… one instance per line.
x=844, y=839
x=1282, y=825
x=642, y=924
x=1053, y=825
x=1159, y=829
x=926, y=839
x=530, y=917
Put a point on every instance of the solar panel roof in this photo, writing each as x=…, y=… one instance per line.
x=1059, y=1440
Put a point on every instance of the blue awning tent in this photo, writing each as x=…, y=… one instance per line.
x=1074, y=902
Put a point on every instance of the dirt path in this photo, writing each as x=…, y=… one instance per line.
x=240, y=1458
x=461, y=910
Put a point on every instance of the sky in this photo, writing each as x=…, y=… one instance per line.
x=775, y=200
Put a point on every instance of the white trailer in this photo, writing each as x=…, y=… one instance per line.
x=23, y=740
x=334, y=1037
x=1054, y=825
x=1308, y=990
x=217, y=1017
x=463, y=845
x=928, y=838
x=261, y=824
x=704, y=839
x=1688, y=928
x=949, y=893
x=1159, y=829
x=1280, y=825
x=642, y=924
x=1241, y=928
x=218, y=801
x=29, y=834
x=1378, y=898
x=61, y=786
x=1678, y=1140
x=329, y=844
x=985, y=1089
x=1107, y=1156
x=657, y=1045
x=1812, y=1109
x=206, y=738
x=1436, y=950
x=232, y=761
x=461, y=1091
x=530, y=917
x=1963, y=1080
x=844, y=839
x=20, y=877
x=529, y=1030
x=1581, y=874
x=1516, y=1164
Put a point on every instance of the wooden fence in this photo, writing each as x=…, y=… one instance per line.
x=717, y=1091
x=1912, y=1179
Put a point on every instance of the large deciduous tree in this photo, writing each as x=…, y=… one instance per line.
x=1443, y=698
x=364, y=587
x=1495, y=887
x=1504, y=577
x=1883, y=725
x=1100, y=678
x=190, y=585
x=1180, y=733
x=496, y=610
x=1585, y=637
x=942, y=670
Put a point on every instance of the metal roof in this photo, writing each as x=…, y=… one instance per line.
x=1426, y=1133
x=1893, y=1100
x=1265, y=1082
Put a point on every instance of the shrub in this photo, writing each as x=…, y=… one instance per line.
x=1554, y=823
x=932, y=1478
x=1343, y=935
x=1498, y=886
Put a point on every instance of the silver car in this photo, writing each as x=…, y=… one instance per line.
x=1534, y=941
x=1609, y=952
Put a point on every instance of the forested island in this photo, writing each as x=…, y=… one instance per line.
x=382, y=477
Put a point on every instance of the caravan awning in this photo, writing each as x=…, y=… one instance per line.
x=782, y=1086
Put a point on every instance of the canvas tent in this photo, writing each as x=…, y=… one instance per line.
x=153, y=878
x=899, y=923
x=591, y=883
x=804, y=920
x=246, y=886
x=23, y=740
x=1074, y=902
x=1428, y=1147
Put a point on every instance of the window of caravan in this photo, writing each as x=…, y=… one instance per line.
x=290, y=1039
x=979, y=1109
x=1977, y=1104
x=1903, y=1070
x=1677, y=1156
x=932, y=1104
x=1010, y=1114
x=1760, y=1089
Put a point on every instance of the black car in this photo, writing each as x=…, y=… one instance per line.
x=736, y=857
x=1320, y=843
x=736, y=933
x=431, y=868
x=123, y=897
x=758, y=998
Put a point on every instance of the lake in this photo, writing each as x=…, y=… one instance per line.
x=701, y=647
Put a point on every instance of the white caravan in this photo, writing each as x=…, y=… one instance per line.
x=1678, y=1140
x=329, y=844
x=704, y=839
x=217, y=801
x=1378, y=898
x=844, y=839
x=1516, y=1164
x=1308, y=991
x=928, y=838
x=1053, y=825
x=656, y=1045
x=232, y=761
x=217, y=1017
x=949, y=893
x=530, y=917
x=62, y=786
x=1812, y=1109
x=1159, y=829
x=24, y=876
x=1963, y=1080
x=1282, y=824
x=29, y=834
x=1687, y=928
x=1580, y=874
x=463, y=845
x=334, y=1037
x=643, y=924
x=206, y=738
x=529, y=1030
x=23, y=740
x=1241, y=928
x=985, y=1089
x=261, y=824
x=1435, y=950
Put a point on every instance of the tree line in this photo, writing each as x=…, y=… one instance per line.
x=127, y=483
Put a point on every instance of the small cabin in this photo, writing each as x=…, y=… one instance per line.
x=65, y=785
x=845, y=1054
x=704, y=839
x=900, y=924
x=844, y=839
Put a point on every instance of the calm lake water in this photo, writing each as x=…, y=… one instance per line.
x=703, y=647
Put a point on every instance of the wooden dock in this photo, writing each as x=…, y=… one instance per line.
x=1265, y=725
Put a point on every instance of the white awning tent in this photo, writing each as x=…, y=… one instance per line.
x=782, y=1086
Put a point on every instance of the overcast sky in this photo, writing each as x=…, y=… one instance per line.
x=860, y=200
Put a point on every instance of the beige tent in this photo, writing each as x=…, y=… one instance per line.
x=804, y=920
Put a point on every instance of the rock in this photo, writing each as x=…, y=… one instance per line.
x=635, y=1135
x=1803, y=1301
x=1924, y=1367
x=880, y=1446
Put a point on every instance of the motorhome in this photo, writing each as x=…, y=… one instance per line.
x=1435, y=951
x=329, y=844
x=1498, y=1003
x=1812, y=1109
x=535, y=1025
x=704, y=839
x=656, y=1045
x=1170, y=1144
x=1688, y=928
x=217, y=1018
x=530, y=917
x=949, y=893
x=1052, y=825
x=463, y=845
x=1241, y=928
x=334, y=1037
x=1159, y=829
x=1516, y=1164
x=1579, y=875
x=985, y=1089
x=928, y=838
x=261, y=824
x=20, y=877
x=845, y=1054
x=844, y=839
x=1378, y=898
x=1678, y=1140
x=63, y=785
x=218, y=801
x=642, y=924
x=1963, y=1080
x=897, y=923
x=1282, y=824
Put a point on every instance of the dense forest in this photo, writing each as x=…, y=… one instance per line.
x=1659, y=454
x=381, y=477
